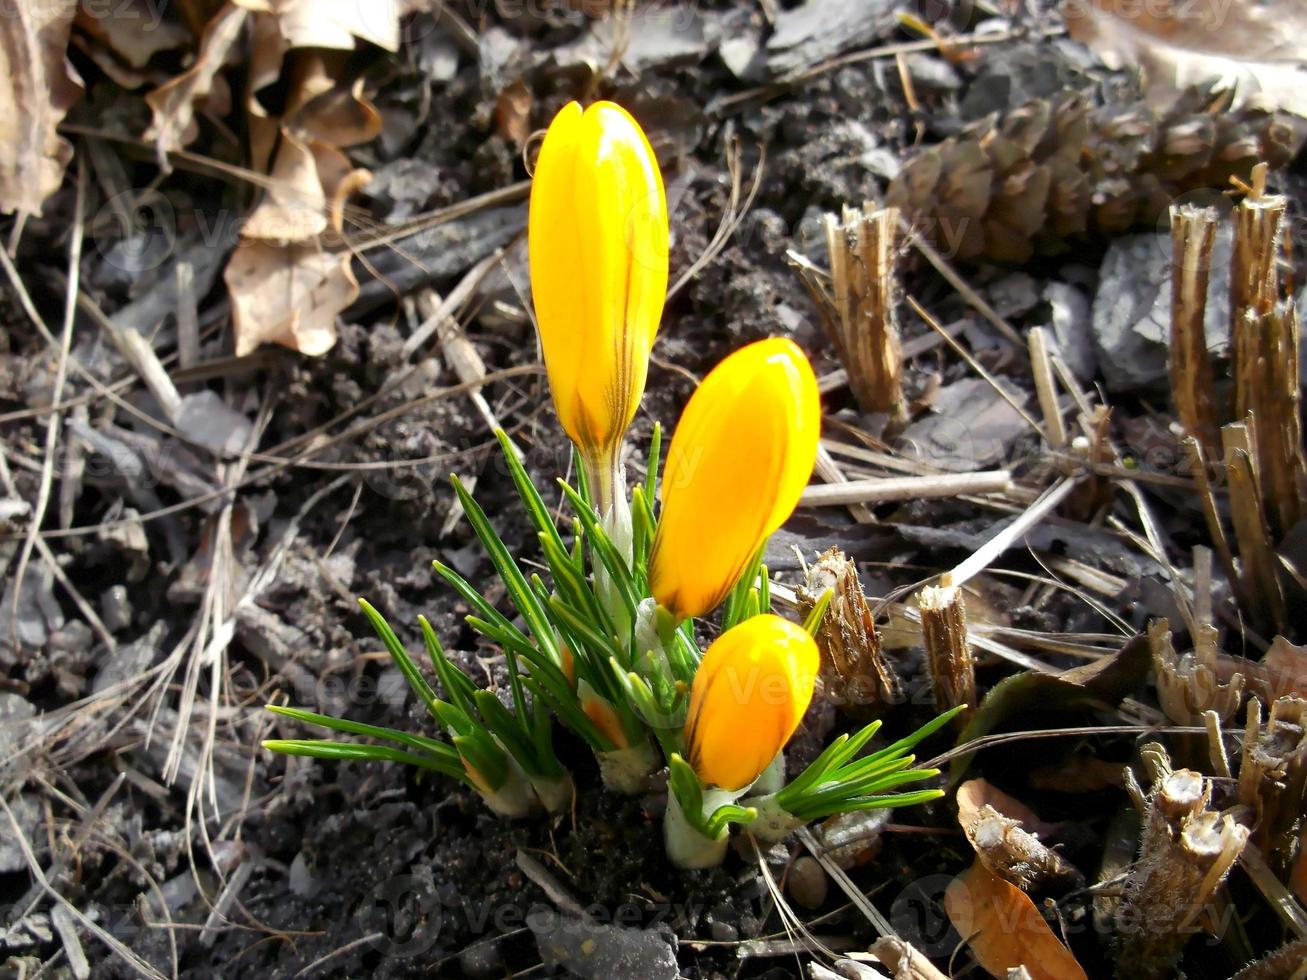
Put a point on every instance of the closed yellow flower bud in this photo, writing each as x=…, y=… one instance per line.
x=597, y=241
x=740, y=457
x=749, y=694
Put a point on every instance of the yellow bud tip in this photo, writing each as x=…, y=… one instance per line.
x=597, y=242
x=739, y=459
x=750, y=692
x=605, y=718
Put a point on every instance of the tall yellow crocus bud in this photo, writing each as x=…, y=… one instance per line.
x=750, y=692
x=597, y=240
x=740, y=457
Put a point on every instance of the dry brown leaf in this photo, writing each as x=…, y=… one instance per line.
x=333, y=24
x=38, y=88
x=294, y=208
x=1004, y=929
x=288, y=295
x=1255, y=48
x=513, y=113
x=134, y=30
x=174, y=102
x=339, y=116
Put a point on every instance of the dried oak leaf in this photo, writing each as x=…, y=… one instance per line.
x=288, y=295
x=333, y=24
x=173, y=103
x=1004, y=929
x=294, y=207
x=1253, y=48
x=37, y=89
x=134, y=30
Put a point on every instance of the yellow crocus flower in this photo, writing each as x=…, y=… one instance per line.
x=749, y=694
x=597, y=242
x=740, y=457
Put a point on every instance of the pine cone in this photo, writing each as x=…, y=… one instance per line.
x=1043, y=177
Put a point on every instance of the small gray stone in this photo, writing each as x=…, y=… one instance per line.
x=595, y=951
x=1069, y=324
x=1132, y=308
x=301, y=880
x=971, y=427
x=723, y=932
x=115, y=608
x=1013, y=295
x=130, y=660
x=807, y=883
x=206, y=419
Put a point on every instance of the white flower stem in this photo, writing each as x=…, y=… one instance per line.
x=686, y=847
x=555, y=794
x=627, y=771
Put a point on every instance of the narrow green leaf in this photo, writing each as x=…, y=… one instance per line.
x=401, y=658
x=457, y=684
x=419, y=742
x=601, y=545
x=812, y=622
x=514, y=581
x=728, y=814
x=535, y=504
x=349, y=751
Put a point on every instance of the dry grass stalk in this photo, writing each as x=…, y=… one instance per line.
x=903, y=959
x=1258, y=582
x=944, y=633
x=880, y=490
x=859, y=305
x=1267, y=387
x=1254, y=285
x=1207, y=497
x=1265, y=353
x=1189, y=685
x=1041, y=366
x=854, y=671
x=1193, y=236
x=1185, y=852
x=1273, y=774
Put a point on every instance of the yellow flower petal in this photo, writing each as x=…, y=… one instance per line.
x=750, y=692
x=740, y=457
x=597, y=243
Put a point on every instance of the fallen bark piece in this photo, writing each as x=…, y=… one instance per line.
x=854, y=671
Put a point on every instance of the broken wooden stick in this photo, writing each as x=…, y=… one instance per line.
x=944, y=633
x=1193, y=237
x=858, y=306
